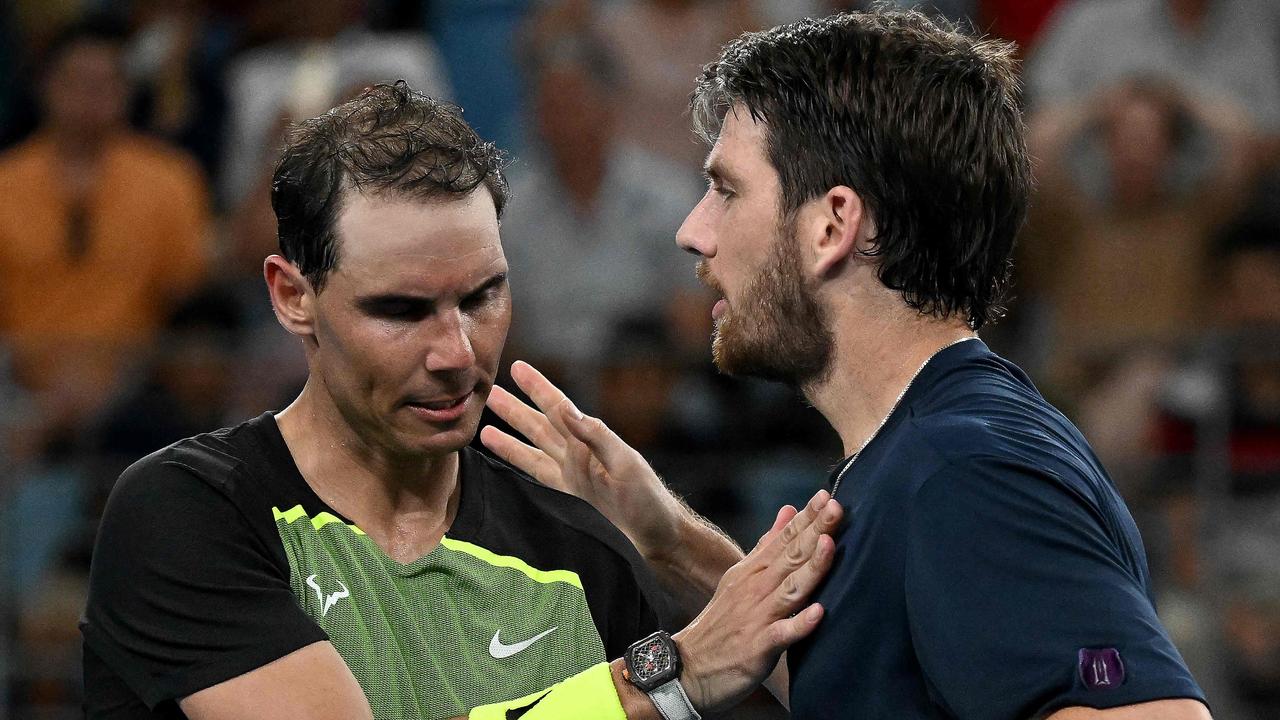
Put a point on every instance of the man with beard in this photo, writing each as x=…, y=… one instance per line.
x=867, y=176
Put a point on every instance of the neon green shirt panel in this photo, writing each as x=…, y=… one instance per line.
x=459, y=627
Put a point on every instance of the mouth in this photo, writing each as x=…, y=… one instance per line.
x=443, y=409
x=705, y=276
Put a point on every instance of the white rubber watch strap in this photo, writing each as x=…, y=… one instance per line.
x=672, y=703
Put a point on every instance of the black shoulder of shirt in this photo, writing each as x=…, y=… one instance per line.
x=219, y=458
x=547, y=527
x=246, y=463
x=512, y=495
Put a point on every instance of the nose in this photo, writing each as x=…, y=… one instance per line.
x=695, y=234
x=450, y=345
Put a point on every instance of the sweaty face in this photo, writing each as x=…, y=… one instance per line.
x=412, y=319
x=768, y=322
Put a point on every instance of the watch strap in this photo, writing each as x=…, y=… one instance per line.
x=672, y=702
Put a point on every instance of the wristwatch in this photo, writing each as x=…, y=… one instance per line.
x=653, y=666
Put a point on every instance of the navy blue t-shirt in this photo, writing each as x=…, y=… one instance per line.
x=988, y=568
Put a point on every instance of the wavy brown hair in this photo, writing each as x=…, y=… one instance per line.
x=920, y=119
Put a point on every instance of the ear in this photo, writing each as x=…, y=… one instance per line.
x=292, y=296
x=842, y=228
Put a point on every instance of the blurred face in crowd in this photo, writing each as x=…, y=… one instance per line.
x=575, y=116
x=412, y=319
x=197, y=369
x=768, y=321
x=85, y=92
x=1139, y=141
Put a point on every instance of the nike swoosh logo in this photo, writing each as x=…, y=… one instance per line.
x=331, y=598
x=499, y=649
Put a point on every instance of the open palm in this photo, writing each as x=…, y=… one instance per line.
x=580, y=455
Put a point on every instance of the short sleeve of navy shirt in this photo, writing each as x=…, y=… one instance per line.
x=988, y=569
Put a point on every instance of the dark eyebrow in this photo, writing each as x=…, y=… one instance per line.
x=495, y=280
x=373, y=304
x=422, y=303
x=714, y=171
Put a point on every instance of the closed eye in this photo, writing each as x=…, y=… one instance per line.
x=397, y=308
x=484, y=294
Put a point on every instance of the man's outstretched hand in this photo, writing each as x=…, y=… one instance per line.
x=760, y=607
x=580, y=455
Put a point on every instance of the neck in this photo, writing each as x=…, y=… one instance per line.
x=405, y=503
x=78, y=161
x=877, y=355
x=74, y=144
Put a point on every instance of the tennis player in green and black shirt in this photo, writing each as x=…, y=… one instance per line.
x=349, y=557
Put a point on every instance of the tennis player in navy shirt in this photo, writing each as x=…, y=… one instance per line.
x=868, y=174
x=989, y=568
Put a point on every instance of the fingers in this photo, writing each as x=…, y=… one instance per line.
x=617, y=457
x=544, y=394
x=785, y=513
x=800, y=554
x=796, y=587
x=788, y=631
x=528, y=459
x=528, y=422
x=792, y=536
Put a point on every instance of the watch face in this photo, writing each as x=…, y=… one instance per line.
x=651, y=659
x=652, y=662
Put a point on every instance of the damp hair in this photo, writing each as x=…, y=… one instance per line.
x=389, y=141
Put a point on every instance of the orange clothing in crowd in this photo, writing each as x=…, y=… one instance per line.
x=80, y=289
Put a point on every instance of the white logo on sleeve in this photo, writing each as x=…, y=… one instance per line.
x=331, y=598
x=499, y=649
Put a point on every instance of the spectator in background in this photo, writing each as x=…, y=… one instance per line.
x=1020, y=21
x=331, y=55
x=1132, y=184
x=101, y=230
x=660, y=45
x=177, y=58
x=1215, y=477
x=477, y=41
x=250, y=236
x=592, y=217
x=1221, y=50
x=187, y=388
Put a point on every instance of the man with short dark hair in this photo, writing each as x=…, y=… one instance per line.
x=867, y=177
x=350, y=556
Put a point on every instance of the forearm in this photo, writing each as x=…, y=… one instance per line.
x=690, y=568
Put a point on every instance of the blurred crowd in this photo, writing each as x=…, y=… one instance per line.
x=137, y=140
